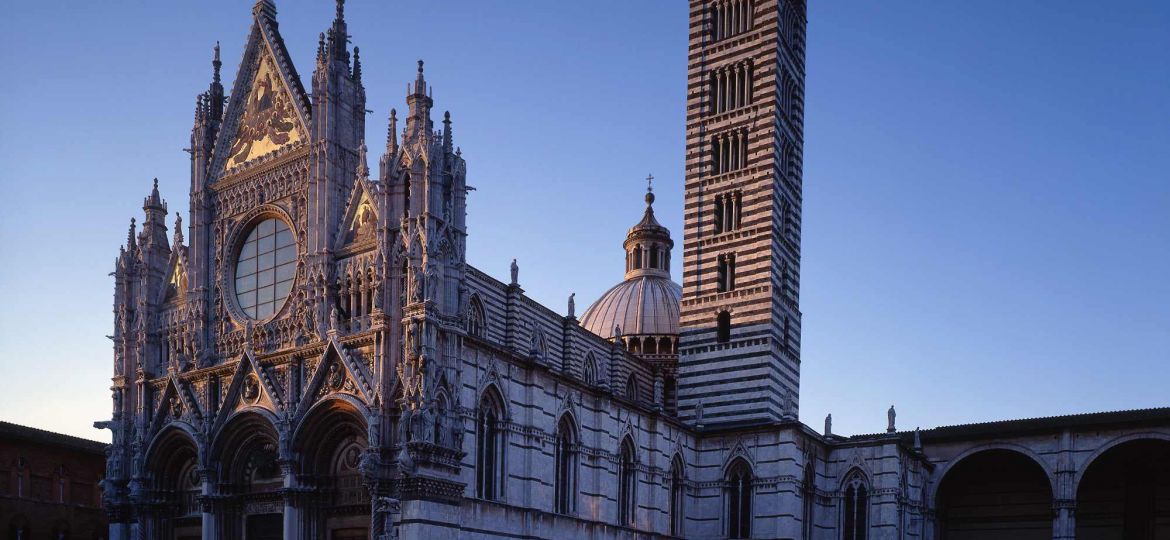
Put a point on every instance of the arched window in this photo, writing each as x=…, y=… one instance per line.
x=565, y=493
x=855, y=521
x=723, y=327
x=476, y=322
x=637, y=257
x=627, y=483
x=726, y=272
x=589, y=370
x=738, y=493
x=653, y=255
x=632, y=388
x=489, y=448
x=676, y=496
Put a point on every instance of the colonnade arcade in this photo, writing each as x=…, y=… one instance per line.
x=1121, y=490
x=250, y=482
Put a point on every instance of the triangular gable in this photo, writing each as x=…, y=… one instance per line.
x=336, y=372
x=250, y=386
x=176, y=403
x=175, y=288
x=268, y=109
x=360, y=220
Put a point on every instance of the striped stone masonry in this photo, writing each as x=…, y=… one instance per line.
x=745, y=95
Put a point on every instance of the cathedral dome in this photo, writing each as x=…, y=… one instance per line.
x=646, y=303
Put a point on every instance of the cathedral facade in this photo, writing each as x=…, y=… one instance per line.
x=313, y=357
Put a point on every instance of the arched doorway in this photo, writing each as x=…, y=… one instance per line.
x=1125, y=493
x=247, y=449
x=331, y=443
x=173, y=463
x=995, y=494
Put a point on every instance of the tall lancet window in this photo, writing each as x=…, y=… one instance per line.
x=676, y=496
x=627, y=483
x=855, y=521
x=489, y=448
x=565, y=494
x=738, y=493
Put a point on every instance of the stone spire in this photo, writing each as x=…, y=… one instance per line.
x=420, y=102
x=215, y=98
x=339, y=35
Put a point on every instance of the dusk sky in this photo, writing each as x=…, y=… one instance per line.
x=986, y=228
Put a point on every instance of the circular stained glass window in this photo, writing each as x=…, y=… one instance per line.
x=265, y=268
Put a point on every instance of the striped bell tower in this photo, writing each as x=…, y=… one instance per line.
x=739, y=361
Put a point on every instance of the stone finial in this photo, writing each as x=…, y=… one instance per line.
x=130, y=235
x=890, y=415
x=215, y=64
x=392, y=133
x=357, y=65
x=447, y=131
x=829, y=424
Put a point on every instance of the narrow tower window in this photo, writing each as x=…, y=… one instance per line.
x=723, y=327
x=726, y=272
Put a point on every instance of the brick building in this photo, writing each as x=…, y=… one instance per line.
x=50, y=485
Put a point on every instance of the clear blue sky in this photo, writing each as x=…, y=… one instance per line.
x=987, y=184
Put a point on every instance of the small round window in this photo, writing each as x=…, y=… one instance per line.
x=265, y=268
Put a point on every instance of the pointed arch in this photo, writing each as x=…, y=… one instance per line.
x=491, y=444
x=247, y=450
x=589, y=369
x=677, y=494
x=565, y=464
x=627, y=481
x=476, y=317
x=632, y=388
x=173, y=462
x=855, y=490
x=737, y=494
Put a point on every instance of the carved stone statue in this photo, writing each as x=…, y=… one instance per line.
x=572, y=305
x=890, y=415
x=515, y=272
x=334, y=319
x=829, y=424
x=430, y=283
